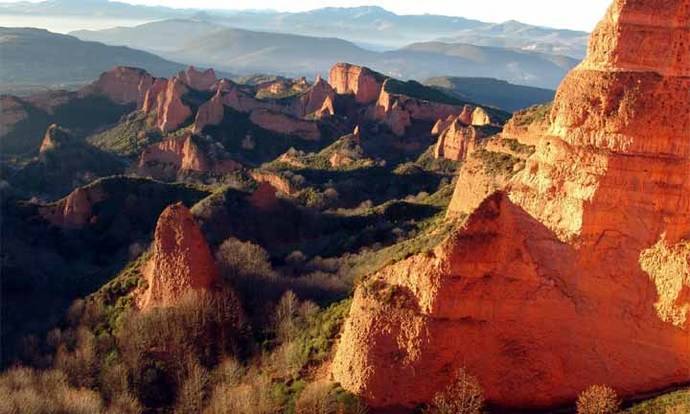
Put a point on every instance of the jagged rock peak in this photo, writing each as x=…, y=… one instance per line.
x=181, y=262
x=199, y=80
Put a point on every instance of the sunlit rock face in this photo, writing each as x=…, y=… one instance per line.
x=575, y=272
x=123, y=85
x=359, y=81
x=181, y=261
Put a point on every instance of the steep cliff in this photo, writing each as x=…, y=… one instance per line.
x=123, y=85
x=573, y=273
x=359, y=81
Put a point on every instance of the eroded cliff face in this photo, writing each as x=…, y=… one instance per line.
x=171, y=111
x=576, y=271
x=359, y=81
x=210, y=113
x=458, y=141
x=398, y=111
x=316, y=101
x=123, y=85
x=181, y=262
x=169, y=158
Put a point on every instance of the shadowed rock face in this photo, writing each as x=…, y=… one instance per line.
x=576, y=273
x=181, y=261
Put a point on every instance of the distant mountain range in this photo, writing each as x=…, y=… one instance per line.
x=242, y=51
x=371, y=27
x=34, y=59
x=492, y=92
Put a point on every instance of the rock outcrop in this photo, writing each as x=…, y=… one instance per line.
x=74, y=211
x=458, y=141
x=210, y=113
x=359, y=81
x=576, y=271
x=398, y=110
x=317, y=101
x=150, y=102
x=122, y=85
x=181, y=262
x=171, y=112
x=175, y=155
x=278, y=182
x=199, y=80
x=55, y=137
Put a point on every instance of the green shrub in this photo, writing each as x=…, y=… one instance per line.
x=497, y=163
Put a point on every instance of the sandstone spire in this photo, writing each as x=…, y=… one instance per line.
x=181, y=261
x=576, y=273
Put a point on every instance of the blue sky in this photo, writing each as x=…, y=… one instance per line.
x=579, y=15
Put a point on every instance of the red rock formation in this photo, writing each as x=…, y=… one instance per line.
x=398, y=111
x=278, y=182
x=575, y=274
x=317, y=100
x=240, y=100
x=458, y=141
x=123, y=85
x=150, y=102
x=181, y=261
x=171, y=112
x=359, y=81
x=442, y=124
x=75, y=210
x=285, y=124
x=209, y=113
x=54, y=138
x=195, y=79
x=166, y=159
